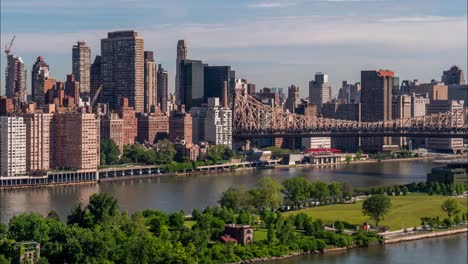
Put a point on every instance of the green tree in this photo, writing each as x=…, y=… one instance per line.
x=405, y=190
x=359, y=155
x=339, y=226
x=235, y=198
x=348, y=159
x=297, y=190
x=102, y=206
x=376, y=207
x=277, y=152
x=27, y=227
x=53, y=215
x=165, y=152
x=451, y=206
x=177, y=220
x=109, y=151
x=334, y=190
x=319, y=191
x=268, y=195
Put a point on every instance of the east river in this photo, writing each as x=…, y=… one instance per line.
x=173, y=193
x=181, y=192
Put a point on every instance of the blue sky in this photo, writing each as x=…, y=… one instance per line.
x=271, y=43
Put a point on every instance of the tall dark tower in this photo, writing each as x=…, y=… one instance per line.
x=182, y=54
x=122, y=69
x=162, y=88
x=376, y=99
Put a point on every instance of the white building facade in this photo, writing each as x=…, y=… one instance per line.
x=218, y=123
x=316, y=143
x=12, y=146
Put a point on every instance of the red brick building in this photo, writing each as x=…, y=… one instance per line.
x=75, y=141
x=243, y=234
x=180, y=126
x=112, y=128
x=152, y=126
x=129, y=123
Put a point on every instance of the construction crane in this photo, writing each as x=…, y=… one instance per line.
x=8, y=47
x=96, y=95
x=7, y=52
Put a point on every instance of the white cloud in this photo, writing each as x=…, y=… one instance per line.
x=421, y=19
x=271, y=4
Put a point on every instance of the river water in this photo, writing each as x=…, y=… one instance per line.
x=173, y=193
x=451, y=249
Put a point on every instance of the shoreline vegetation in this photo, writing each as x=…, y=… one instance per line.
x=100, y=232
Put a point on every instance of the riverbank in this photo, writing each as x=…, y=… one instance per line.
x=121, y=173
x=408, y=238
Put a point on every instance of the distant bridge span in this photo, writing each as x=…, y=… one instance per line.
x=252, y=119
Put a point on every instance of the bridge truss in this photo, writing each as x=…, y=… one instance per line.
x=252, y=119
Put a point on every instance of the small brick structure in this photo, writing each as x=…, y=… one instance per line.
x=243, y=234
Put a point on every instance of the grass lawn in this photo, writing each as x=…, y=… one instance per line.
x=260, y=234
x=190, y=223
x=406, y=211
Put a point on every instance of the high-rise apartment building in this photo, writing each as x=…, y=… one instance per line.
x=153, y=126
x=12, y=146
x=319, y=90
x=40, y=72
x=95, y=77
x=81, y=67
x=150, y=90
x=162, y=93
x=129, y=122
x=180, y=126
x=38, y=141
x=112, y=128
x=75, y=141
x=72, y=88
x=122, y=69
x=218, y=123
x=376, y=99
x=454, y=145
x=15, y=79
x=453, y=76
x=198, y=114
x=182, y=54
x=42, y=87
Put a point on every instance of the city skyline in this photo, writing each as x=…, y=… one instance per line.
x=294, y=44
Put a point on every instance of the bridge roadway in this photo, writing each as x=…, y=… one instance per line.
x=355, y=132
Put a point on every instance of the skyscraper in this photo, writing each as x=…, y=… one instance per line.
x=214, y=79
x=40, y=70
x=293, y=101
x=15, y=78
x=350, y=93
x=81, y=64
x=191, y=76
x=150, y=91
x=376, y=99
x=95, y=76
x=182, y=54
x=38, y=141
x=122, y=69
x=161, y=93
x=453, y=76
x=319, y=90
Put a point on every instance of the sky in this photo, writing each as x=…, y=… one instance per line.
x=270, y=43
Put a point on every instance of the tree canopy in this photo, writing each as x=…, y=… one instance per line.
x=376, y=207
